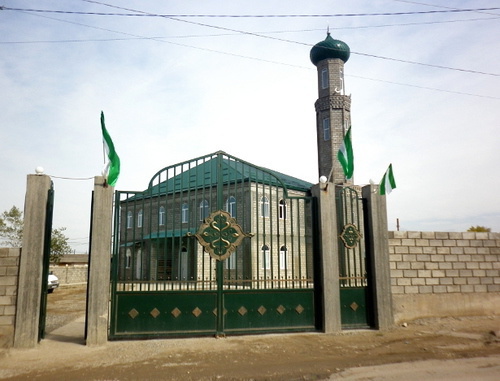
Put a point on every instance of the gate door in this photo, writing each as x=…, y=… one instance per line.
x=46, y=262
x=213, y=246
x=355, y=295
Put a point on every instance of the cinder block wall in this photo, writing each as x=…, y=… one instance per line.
x=9, y=272
x=440, y=274
x=70, y=274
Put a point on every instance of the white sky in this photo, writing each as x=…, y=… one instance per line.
x=172, y=90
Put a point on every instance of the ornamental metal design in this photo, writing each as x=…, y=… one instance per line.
x=220, y=235
x=350, y=236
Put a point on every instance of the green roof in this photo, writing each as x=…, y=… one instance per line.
x=205, y=174
x=330, y=49
x=202, y=173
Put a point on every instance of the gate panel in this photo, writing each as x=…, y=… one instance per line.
x=46, y=262
x=166, y=283
x=355, y=294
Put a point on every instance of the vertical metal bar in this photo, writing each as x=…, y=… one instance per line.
x=220, y=270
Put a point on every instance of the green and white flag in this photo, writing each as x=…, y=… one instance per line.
x=112, y=169
x=346, y=156
x=387, y=184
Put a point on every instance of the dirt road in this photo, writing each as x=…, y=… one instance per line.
x=457, y=348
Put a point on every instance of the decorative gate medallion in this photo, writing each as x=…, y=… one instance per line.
x=350, y=236
x=220, y=235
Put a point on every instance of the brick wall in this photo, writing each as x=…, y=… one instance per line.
x=9, y=270
x=458, y=266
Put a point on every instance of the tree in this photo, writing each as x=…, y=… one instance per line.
x=58, y=245
x=11, y=227
x=479, y=229
x=11, y=234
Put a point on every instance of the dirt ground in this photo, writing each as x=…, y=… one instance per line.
x=428, y=349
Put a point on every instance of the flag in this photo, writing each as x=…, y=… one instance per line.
x=112, y=169
x=387, y=184
x=346, y=156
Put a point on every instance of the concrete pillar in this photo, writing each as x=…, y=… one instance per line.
x=329, y=256
x=31, y=262
x=99, y=263
x=378, y=241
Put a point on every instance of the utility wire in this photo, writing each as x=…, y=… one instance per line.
x=229, y=34
x=146, y=14
x=300, y=43
x=281, y=63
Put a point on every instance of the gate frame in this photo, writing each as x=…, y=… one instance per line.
x=31, y=262
x=314, y=302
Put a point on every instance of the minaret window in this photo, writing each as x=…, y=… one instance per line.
x=326, y=129
x=324, y=79
x=341, y=74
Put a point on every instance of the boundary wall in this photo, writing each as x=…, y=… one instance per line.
x=70, y=274
x=9, y=276
x=444, y=274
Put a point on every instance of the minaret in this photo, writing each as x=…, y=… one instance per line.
x=333, y=107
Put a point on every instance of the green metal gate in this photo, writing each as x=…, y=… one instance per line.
x=214, y=246
x=46, y=262
x=355, y=286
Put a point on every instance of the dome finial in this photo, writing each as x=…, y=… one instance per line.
x=328, y=30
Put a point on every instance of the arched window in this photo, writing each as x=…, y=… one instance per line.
x=283, y=252
x=264, y=207
x=282, y=210
x=128, y=258
x=326, y=129
x=161, y=216
x=203, y=210
x=231, y=206
x=130, y=220
x=139, y=219
x=184, y=213
x=266, y=258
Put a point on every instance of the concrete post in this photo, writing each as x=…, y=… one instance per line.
x=379, y=256
x=31, y=262
x=99, y=263
x=329, y=254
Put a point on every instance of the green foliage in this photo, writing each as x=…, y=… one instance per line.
x=479, y=229
x=58, y=245
x=11, y=227
x=11, y=234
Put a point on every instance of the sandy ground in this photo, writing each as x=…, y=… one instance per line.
x=465, y=348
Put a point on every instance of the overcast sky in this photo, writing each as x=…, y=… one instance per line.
x=175, y=88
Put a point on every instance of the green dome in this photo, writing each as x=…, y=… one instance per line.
x=330, y=48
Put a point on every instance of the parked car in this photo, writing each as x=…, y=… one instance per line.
x=53, y=283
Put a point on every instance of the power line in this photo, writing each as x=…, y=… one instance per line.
x=423, y=87
x=283, y=40
x=146, y=14
x=300, y=43
x=227, y=34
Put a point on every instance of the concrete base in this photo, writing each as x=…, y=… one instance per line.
x=410, y=307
